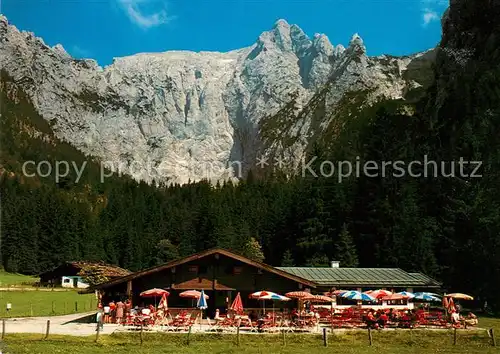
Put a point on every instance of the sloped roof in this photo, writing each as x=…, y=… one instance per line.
x=338, y=277
x=203, y=254
x=107, y=270
x=424, y=278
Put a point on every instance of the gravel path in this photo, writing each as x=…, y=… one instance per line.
x=58, y=325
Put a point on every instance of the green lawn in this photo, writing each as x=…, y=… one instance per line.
x=13, y=279
x=45, y=303
x=419, y=341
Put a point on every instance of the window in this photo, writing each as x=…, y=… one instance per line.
x=193, y=269
x=67, y=280
x=237, y=270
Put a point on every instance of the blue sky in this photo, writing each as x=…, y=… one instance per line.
x=103, y=29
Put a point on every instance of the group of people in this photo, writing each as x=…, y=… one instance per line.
x=457, y=319
x=117, y=312
x=380, y=318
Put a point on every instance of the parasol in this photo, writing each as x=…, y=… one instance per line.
x=155, y=292
x=237, y=305
x=378, y=294
x=460, y=296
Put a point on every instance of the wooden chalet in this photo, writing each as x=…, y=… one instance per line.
x=222, y=274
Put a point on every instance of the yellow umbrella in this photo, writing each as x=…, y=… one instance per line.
x=460, y=296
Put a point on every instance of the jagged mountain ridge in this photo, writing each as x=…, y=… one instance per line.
x=179, y=115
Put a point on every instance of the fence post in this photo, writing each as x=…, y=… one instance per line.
x=142, y=332
x=492, y=335
x=98, y=330
x=325, y=340
x=455, y=336
x=189, y=334
x=76, y=306
x=53, y=307
x=284, y=338
x=238, y=335
x=370, y=339
x=3, y=329
x=48, y=330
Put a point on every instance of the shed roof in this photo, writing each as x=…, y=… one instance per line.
x=107, y=270
x=336, y=277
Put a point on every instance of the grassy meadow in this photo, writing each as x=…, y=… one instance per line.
x=16, y=280
x=404, y=341
x=39, y=302
x=45, y=303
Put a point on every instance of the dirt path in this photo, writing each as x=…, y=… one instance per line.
x=58, y=325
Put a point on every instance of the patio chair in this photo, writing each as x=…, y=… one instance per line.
x=227, y=324
x=213, y=326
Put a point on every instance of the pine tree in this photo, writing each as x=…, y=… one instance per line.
x=345, y=249
x=287, y=260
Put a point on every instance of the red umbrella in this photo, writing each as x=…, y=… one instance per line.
x=451, y=305
x=163, y=303
x=192, y=294
x=259, y=294
x=445, y=303
x=298, y=294
x=378, y=294
x=393, y=297
x=319, y=298
x=237, y=305
x=154, y=293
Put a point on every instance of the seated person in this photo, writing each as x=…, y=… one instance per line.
x=146, y=311
x=317, y=316
x=455, y=317
x=252, y=316
x=294, y=315
x=382, y=320
x=471, y=319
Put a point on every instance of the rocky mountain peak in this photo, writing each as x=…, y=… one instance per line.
x=182, y=115
x=322, y=44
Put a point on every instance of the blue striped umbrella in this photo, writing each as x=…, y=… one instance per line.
x=202, y=301
x=407, y=293
x=357, y=295
x=426, y=297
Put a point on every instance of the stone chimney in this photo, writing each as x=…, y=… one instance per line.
x=335, y=264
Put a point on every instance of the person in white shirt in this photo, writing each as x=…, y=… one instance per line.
x=107, y=310
x=146, y=312
x=455, y=317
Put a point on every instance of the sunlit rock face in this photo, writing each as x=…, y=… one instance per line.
x=178, y=116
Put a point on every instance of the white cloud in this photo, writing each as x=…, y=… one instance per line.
x=429, y=16
x=144, y=13
x=79, y=52
x=431, y=10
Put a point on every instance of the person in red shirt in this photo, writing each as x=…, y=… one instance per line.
x=371, y=322
x=382, y=320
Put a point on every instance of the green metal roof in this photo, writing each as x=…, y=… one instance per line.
x=424, y=278
x=383, y=277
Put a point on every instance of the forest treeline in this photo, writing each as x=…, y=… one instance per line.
x=446, y=227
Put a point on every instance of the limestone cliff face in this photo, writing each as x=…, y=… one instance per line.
x=181, y=115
